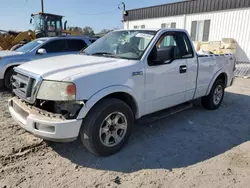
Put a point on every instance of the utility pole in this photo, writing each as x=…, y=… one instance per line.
x=42, y=6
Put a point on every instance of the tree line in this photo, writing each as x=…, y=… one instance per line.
x=89, y=30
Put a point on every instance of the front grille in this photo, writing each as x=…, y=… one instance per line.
x=24, y=86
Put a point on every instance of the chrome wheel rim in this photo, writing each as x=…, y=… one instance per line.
x=218, y=93
x=113, y=129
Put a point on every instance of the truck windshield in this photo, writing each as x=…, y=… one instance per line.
x=129, y=44
x=30, y=46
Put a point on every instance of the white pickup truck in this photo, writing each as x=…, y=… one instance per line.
x=121, y=77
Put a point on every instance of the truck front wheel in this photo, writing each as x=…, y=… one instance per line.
x=215, y=97
x=107, y=127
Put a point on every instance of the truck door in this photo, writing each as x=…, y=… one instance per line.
x=165, y=82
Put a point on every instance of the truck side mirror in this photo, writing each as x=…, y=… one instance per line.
x=30, y=20
x=163, y=55
x=41, y=51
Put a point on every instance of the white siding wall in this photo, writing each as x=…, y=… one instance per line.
x=228, y=24
x=224, y=24
x=156, y=22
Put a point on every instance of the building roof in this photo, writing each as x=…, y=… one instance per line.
x=184, y=7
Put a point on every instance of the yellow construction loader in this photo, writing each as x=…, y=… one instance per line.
x=11, y=40
x=44, y=25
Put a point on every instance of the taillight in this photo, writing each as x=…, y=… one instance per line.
x=233, y=59
x=234, y=65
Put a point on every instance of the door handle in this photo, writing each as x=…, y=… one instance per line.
x=183, y=69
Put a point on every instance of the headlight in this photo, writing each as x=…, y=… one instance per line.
x=57, y=91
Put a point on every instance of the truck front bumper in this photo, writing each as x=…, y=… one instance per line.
x=44, y=125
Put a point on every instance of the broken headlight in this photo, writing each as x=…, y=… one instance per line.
x=57, y=91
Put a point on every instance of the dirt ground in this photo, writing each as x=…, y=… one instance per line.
x=194, y=148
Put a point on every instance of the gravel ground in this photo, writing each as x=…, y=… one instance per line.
x=194, y=148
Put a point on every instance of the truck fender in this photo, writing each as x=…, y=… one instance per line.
x=103, y=93
x=214, y=79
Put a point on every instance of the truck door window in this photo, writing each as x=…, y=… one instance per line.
x=76, y=45
x=185, y=45
x=167, y=40
x=55, y=46
x=178, y=41
x=181, y=42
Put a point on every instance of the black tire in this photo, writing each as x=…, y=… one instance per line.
x=208, y=101
x=89, y=132
x=7, y=78
x=1, y=84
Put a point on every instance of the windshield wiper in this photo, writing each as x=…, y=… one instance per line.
x=104, y=54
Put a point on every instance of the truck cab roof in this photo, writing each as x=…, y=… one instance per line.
x=153, y=29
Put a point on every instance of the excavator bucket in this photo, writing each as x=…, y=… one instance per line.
x=26, y=36
x=8, y=40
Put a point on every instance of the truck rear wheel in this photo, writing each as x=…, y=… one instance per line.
x=215, y=97
x=107, y=127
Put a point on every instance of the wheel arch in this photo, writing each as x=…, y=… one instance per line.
x=9, y=68
x=219, y=75
x=119, y=92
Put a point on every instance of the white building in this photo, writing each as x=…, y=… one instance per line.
x=205, y=20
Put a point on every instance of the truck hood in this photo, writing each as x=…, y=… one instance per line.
x=7, y=53
x=71, y=67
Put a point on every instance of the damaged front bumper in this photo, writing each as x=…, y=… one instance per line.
x=43, y=124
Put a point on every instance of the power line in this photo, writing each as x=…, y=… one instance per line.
x=87, y=14
x=42, y=7
x=93, y=14
x=26, y=1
